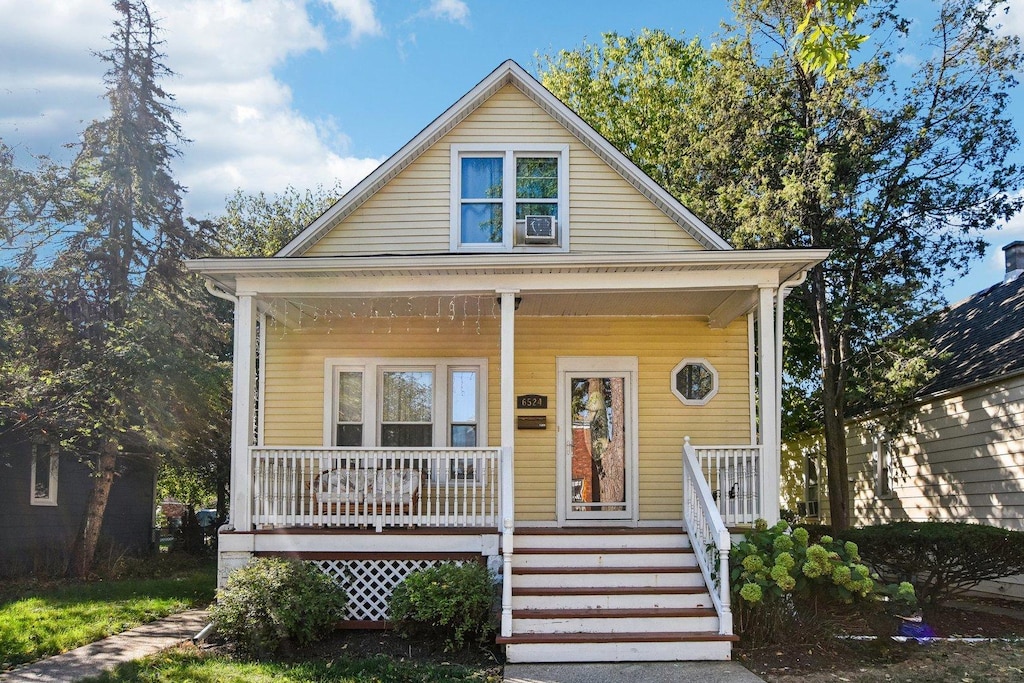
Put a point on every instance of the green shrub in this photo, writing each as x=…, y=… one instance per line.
x=450, y=601
x=781, y=581
x=272, y=603
x=941, y=559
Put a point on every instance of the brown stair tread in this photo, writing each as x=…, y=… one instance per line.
x=614, y=613
x=603, y=531
x=605, y=570
x=617, y=590
x=602, y=551
x=645, y=637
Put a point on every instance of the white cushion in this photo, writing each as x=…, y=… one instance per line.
x=343, y=486
x=396, y=486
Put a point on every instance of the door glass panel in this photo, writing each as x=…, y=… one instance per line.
x=598, y=480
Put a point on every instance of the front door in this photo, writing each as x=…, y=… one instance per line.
x=598, y=456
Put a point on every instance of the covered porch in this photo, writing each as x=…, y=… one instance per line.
x=314, y=483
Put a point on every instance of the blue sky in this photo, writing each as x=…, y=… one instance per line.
x=301, y=92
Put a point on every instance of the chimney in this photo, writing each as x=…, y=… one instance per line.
x=1014, y=252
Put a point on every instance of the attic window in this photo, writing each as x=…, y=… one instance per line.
x=495, y=189
x=694, y=381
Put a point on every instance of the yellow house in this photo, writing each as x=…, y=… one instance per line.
x=507, y=344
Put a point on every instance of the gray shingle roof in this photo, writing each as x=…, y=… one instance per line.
x=983, y=336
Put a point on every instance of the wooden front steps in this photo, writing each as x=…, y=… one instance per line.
x=600, y=594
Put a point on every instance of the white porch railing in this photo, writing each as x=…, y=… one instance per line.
x=708, y=536
x=378, y=487
x=733, y=474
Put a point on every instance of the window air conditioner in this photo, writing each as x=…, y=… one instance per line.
x=540, y=230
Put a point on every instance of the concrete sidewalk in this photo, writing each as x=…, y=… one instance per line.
x=95, y=658
x=647, y=672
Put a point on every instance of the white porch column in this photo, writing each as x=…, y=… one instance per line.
x=242, y=409
x=508, y=433
x=768, y=495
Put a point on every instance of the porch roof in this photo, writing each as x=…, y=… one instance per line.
x=720, y=285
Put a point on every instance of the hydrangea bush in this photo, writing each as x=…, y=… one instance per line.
x=780, y=580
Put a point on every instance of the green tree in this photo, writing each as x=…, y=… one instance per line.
x=825, y=38
x=260, y=225
x=113, y=348
x=897, y=176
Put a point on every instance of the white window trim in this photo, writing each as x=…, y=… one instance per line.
x=50, y=500
x=884, y=464
x=373, y=369
x=694, y=361
x=509, y=152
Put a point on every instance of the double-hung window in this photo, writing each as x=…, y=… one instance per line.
x=405, y=403
x=407, y=407
x=495, y=189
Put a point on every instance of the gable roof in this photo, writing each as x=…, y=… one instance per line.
x=507, y=73
x=982, y=337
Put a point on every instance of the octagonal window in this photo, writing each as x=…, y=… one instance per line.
x=694, y=381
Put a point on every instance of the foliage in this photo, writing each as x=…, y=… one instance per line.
x=272, y=603
x=827, y=35
x=632, y=90
x=111, y=347
x=40, y=620
x=941, y=559
x=896, y=174
x=782, y=581
x=260, y=225
x=450, y=601
x=201, y=665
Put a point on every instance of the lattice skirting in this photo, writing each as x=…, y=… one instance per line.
x=369, y=583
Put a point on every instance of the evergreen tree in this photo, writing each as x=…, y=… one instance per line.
x=113, y=347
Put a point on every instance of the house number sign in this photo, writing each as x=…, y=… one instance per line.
x=535, y=401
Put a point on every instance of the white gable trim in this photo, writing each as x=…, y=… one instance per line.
x=508, y=72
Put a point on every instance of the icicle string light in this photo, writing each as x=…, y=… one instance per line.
x=380, y=315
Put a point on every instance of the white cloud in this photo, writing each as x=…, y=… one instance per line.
x=450, y=10
x=360, y=16
x=244, y=129
x=1011, y=22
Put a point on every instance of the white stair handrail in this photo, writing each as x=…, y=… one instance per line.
x=708, y=536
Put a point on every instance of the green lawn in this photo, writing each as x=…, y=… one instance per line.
x=188, y=664
x=40, y=622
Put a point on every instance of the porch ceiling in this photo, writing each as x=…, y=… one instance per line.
x=701, y=303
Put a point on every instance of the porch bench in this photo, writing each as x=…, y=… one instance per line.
x=367, y=492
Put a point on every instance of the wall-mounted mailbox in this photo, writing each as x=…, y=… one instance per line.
x=532, y=421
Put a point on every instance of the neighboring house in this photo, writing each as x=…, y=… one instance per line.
x=43, y=493
x=431, y=351
x=960, y=456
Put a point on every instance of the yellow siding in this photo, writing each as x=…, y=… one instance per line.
x=411, y=214
x=659, y=343
x=294, y=409
x=294, y=393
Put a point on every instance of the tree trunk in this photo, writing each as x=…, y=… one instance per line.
x=613, y=476
x=84, y=550
x=598, y=435
x=835, y=457
x=833, y=386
